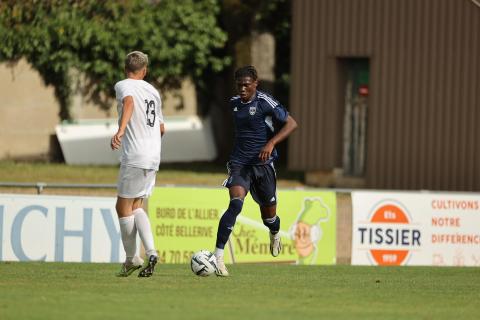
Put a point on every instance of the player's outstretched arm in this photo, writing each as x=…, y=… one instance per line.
x=126, y=115
x=286, y=130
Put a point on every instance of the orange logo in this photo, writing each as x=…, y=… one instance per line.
x=389, y=236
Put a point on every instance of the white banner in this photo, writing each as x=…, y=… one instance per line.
x=440, y=229
x=59, y=228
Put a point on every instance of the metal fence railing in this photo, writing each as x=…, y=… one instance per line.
x=40, y=186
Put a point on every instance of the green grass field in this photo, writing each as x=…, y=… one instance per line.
x=254, y=291
x=193, y=174
x=90, y=291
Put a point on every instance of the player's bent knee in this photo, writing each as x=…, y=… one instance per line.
x=230, y=216
x=235, y=206
x=124, y=207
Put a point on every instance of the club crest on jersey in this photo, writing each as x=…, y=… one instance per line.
x=252, y=110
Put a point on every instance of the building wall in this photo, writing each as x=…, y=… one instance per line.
x=424, y=102
x=29, y=111
x=28, y=115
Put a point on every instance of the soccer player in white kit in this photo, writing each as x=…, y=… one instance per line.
x=139, y=135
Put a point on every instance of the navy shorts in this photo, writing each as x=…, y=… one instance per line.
x=260, y=180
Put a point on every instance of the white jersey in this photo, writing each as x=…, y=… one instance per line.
x=141, y=144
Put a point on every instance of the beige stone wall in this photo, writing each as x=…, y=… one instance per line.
x=82, y=108
x=257, y=49
x=180, y=102
x=176, y=102
x=29, y=112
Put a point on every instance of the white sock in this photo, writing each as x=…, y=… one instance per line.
x=219, y=253
x=145, y=231
x=128, y=231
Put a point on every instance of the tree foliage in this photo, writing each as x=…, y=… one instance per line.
x=242, y=17
x=62, y=39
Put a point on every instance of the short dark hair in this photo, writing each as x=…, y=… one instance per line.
x=246, y=71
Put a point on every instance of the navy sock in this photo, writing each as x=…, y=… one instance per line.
x=225, y=226
x=273, y=224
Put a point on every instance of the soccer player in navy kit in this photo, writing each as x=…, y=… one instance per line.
x=255, y=115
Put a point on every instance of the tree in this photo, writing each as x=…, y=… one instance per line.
x=92, y=37
x=241, y=18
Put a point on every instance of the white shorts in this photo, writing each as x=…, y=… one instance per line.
x=135, y=182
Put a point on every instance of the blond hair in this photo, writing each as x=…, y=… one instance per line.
x=135, y=61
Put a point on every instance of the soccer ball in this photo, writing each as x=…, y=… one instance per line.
x=203, y=263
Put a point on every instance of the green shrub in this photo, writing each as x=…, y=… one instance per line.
x=92, y=37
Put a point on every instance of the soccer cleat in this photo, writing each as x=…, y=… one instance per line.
x=129, y=267
x=221, y=270
x=275, y=244
x=148, y=267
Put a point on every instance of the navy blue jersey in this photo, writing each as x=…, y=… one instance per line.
x=254, y=125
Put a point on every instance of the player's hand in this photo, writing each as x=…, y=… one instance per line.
x=116, y=141
x=266, y=152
